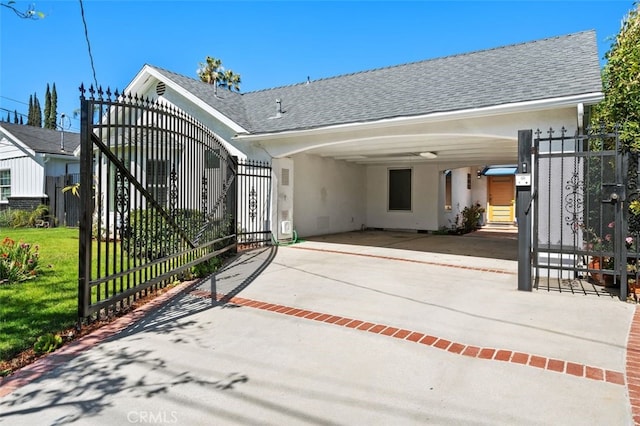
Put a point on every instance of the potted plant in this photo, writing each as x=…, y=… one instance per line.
x=601, y=246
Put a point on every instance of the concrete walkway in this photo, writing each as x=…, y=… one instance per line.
x=346, y=334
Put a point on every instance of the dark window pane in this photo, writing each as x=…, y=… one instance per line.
x=400, y=189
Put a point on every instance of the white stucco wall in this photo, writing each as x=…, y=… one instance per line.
x=283, y=188
x=461, y=196
x=479, y=190
x=329, y=195
x=424, y=208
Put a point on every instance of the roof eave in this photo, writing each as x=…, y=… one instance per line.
x=69, y=156
x=141, y=81
x=516, y=107
x=17, y=141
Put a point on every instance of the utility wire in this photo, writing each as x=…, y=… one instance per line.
x=86, y=36
x=13, y=100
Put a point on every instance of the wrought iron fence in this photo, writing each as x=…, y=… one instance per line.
x=585, y=239
x=159, y=197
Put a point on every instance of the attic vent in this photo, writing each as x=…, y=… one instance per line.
x=285, y=177
x=160, y=88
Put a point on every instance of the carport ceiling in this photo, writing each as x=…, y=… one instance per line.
x=461, y=150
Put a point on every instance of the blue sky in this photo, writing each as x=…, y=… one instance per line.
x=269, y=43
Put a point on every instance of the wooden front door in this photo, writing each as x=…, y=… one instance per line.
x=501, y=199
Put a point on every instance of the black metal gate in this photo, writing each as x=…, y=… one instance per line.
x=584, y=230
x=160, y=195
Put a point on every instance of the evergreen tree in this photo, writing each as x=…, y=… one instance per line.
x=37, y=116
x=30, y=116
x=15, y=116
x=54, y=106
x=47, y=109
x=21, y=121
x=7, y=120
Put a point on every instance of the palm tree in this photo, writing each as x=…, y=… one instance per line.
x=230, y=80
x=212, y=72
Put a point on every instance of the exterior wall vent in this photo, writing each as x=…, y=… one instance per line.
x=160, y=88
x=284, y=177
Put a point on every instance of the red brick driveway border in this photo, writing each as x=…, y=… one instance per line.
x=403, y=259
x=458, y=348
x=633, y=366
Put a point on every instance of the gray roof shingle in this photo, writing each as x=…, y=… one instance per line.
x=43, y=140
x=548, y=68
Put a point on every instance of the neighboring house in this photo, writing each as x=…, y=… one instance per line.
x=401, y=147
x=29, y=157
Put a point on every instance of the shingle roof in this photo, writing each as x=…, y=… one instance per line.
x=542, y=69
x=227, y=102
x=43, y=140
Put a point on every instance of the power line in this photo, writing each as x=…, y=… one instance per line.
x=13, y=100
x=86, y=36
x=13, y=111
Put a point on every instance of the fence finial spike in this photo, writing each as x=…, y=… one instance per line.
x=550, y=132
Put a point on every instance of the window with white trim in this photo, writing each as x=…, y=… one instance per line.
x=447, y=190
x=5, y=184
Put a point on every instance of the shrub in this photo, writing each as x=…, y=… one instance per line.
x=23, y=218
x=6, y=218
x=18, y=261
x=147, y=235
x=47, y=343
x=206, y=268
x=471, y=216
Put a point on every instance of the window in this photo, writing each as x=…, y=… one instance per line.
x=447, y=189
x=157, y=180
x=5, y=184
x=212, y=159
x=400, y=189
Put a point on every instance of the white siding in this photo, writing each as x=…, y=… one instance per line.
x=8, y=150
x=27, y=177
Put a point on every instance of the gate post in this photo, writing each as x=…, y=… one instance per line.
x=86, y=209
x=523, y=210
x=232, y=199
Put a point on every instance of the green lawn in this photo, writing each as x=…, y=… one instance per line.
x=46, y=304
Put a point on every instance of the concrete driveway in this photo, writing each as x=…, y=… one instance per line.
x=329, y=333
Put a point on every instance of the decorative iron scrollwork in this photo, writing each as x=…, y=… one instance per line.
x=574, y=202
x=253, y=204
x=204, y=192
x=173, y=188
x=122, y=201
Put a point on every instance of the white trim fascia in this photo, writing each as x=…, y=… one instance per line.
x=553, y=103
x=16, y=141
x=150, y=71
